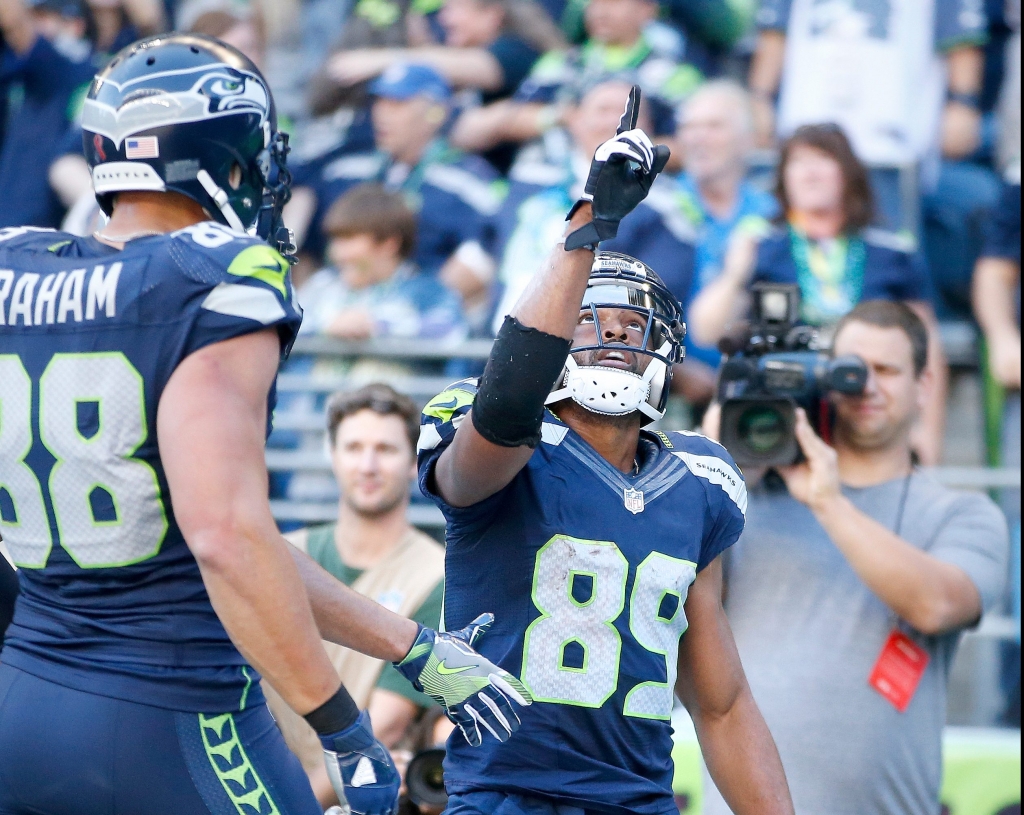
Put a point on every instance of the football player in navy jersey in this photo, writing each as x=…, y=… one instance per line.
x=599, y=540
x=136, y=380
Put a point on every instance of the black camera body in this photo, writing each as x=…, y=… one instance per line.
x=777, y=367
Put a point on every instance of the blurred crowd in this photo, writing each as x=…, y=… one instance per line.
x=859, y=149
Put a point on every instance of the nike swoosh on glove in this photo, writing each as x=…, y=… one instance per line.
x=361, y=769
x=475, y=693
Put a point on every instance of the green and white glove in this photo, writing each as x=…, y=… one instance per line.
x=473, y=691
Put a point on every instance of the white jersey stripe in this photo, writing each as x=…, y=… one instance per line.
x=717, y=471
x=250, y=302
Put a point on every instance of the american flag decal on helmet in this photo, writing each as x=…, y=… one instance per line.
x=141, y=147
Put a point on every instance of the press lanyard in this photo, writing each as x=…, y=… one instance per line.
x=902, y=662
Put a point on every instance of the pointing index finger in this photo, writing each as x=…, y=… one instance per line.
x=631, y=114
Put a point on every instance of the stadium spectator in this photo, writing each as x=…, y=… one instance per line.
x=489, y=46
x=904, y=79
x=654, y=232
x=69, y=174
x=716, y=137
x=858, y=576
x=825, y=245
x=45, y=63
x=118, y=23
x=372, y=287
x=452, y=191
x=298, y=35
x=617, y=43
x=373, y=549
x=244, y=32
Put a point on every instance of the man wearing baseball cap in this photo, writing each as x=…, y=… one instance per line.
x=453, y=192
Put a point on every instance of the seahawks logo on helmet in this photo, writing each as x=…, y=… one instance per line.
x=173, y=97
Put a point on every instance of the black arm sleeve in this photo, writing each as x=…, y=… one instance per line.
x=524, y=363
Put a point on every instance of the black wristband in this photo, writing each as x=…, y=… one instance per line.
x=509, y=406
x=591, y=234
x=336, y=714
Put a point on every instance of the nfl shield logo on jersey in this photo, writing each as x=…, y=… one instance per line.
x=634, y=500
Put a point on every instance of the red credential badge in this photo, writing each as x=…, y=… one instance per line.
x=899, y=669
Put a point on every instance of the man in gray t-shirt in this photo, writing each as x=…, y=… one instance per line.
x=858, y=545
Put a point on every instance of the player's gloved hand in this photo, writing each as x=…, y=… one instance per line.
x=361, y=769
x=621, y=175
x=473, y=691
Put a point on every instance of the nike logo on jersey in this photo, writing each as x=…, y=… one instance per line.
x=444, y=405
x=58, y=297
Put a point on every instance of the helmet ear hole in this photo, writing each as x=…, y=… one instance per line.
x=235, y=176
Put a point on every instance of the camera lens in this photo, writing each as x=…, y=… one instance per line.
x=425, y=778
x=762, y=428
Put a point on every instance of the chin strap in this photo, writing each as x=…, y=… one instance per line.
x=220, y=198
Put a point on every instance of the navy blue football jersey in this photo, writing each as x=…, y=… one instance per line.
x=586, y=570
x=112, y=601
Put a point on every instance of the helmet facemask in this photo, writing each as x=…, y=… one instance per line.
x=622, y=283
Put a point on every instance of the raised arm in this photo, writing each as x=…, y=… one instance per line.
x=489, y=125
x=530, y=350
x=734, y=739
x=473, y=468
x=462, y=67
x=765, y=77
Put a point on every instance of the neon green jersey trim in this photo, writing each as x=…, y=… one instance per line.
x=444, y=405
x=262, y=263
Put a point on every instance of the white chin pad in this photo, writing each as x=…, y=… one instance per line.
x=607, y=390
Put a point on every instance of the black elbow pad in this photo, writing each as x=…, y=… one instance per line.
x=509, y=406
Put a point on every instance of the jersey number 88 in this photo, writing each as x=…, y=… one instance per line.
x=588, y=625
x=107, y=505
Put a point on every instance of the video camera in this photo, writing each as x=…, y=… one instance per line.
x=777, y=366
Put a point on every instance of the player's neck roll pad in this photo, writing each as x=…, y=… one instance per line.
x=509, y=405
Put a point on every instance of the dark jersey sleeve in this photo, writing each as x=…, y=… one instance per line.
x=440, y=419
x=724, y=487
x=238, y=285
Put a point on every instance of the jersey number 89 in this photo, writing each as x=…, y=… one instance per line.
x=581, y=620
x=107, y=505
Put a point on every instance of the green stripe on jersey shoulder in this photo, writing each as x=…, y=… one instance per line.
x=262, y=263
x=231, y=764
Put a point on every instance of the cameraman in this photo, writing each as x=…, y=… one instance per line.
x=849, y=588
